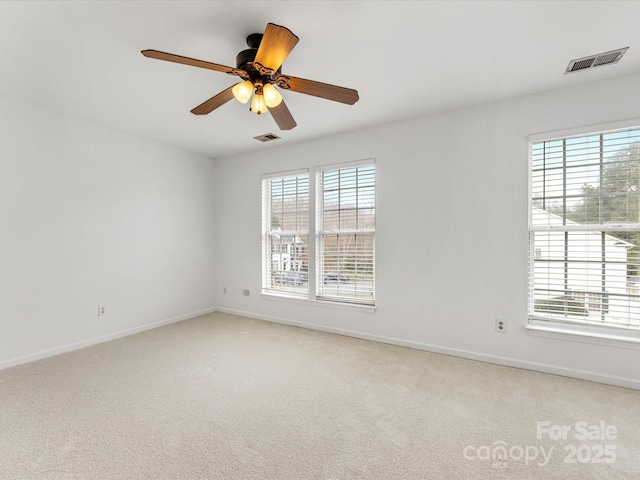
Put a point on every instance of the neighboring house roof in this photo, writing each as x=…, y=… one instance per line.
x=290, y=238
x=557, y=220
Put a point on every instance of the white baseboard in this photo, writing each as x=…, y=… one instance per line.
x=96, y=340
x=504, y=361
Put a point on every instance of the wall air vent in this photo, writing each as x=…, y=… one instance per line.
x=607, y=58
x=267, y=137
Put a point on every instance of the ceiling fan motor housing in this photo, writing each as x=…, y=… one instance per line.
x=249, y=55
x=244, y=60
x=245, y=57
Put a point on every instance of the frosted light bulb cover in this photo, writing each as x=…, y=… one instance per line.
x=258, y=104
x=242, y=91
x=271, y=96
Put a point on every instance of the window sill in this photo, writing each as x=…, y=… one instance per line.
x=607, y=336
x=323, y=303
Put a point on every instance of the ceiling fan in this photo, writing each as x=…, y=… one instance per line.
x=260, y=69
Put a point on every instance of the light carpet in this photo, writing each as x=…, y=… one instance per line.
x=227, y=397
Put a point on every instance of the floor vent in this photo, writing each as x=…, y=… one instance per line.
x=267, y=137
x=607, y=58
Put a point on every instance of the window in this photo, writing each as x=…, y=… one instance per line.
x=342, y=251
x=346, y=230
x=584, y=231
x=286, y=234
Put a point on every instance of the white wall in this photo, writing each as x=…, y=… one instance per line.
x=91, y=217
x=451, y=230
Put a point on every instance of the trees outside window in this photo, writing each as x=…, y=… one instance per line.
x=585, y=229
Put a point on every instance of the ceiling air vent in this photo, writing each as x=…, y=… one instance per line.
x=607, y=58
x=267, y=137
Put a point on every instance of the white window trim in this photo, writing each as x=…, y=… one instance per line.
x=287, y=173
x=313, y=298
x=321, y=302
x=586, y=130
x=599, y=335
x=605, y=335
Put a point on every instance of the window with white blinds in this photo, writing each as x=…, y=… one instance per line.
x=584, y=230
x=346, y=234
x=336, y=264
x=286, y=234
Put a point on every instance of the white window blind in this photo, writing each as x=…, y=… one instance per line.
x=584, y=230
x=345, y=227
x=286, y=234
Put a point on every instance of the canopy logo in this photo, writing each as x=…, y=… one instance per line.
x=499, y=452
x=596, y=444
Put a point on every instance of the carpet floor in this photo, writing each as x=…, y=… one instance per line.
x=227, y=397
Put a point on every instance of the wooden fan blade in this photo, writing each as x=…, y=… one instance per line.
x=318, y=89
x=276, y=44
x=283, y=117
x=214, y=102
x=170, y=57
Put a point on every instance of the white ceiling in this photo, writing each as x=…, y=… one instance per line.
x=406, y=59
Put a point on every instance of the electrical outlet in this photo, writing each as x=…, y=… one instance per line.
x=501, y=325
x=245, y=292
x=102, y=310
x=225, y=290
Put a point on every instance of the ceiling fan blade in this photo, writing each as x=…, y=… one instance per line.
x=214, y=102
x=283, y=117
x=318, y=89
x=170, y=57
x=276, y=44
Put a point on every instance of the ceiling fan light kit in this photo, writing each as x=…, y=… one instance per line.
x=260, y=67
